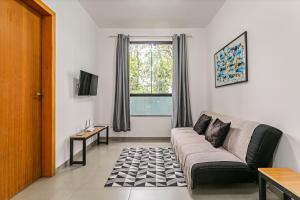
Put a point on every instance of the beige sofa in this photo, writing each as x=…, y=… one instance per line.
x=248, y=145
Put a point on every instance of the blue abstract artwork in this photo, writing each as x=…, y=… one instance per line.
x=231, y=62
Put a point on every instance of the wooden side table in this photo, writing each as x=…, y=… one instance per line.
x=84, y=136
x=287, y=180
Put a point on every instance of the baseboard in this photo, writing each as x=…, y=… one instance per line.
x=76, y=156
x=139, y=139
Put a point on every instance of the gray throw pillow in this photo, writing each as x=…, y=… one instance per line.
x=202, y=124
x=217, y=132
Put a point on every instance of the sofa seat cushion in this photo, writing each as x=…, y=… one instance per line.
x=187, y=147
x=211, y=155
x=207, y=154
x=200, y=148
x=181, y=132
x=178, y=133
x=220, y=172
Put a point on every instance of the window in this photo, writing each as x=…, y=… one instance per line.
x=151, y=78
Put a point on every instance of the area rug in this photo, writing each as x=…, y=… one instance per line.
x=146, y=167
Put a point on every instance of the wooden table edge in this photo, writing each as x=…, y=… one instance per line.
x=291, y=190
x=92, y=133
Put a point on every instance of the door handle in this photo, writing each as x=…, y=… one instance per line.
x=39, y=95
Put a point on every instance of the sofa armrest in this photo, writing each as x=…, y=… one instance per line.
x=262, y=145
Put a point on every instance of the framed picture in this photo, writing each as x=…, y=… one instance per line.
x=231, y=62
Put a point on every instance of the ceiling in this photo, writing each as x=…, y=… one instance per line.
x=152, y=13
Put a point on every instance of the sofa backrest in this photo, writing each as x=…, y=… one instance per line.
x=252, y=142
x=239, y=135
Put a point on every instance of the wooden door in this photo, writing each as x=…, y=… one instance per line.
x=20, y=106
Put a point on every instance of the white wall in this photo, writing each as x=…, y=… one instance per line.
x=76, y=48
x=149, y=126
x=272, y=94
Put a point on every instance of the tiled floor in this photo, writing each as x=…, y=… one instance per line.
x=86, y=183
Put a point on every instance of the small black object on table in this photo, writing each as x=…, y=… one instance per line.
x=84, y=136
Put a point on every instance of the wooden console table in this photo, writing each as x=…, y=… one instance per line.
x=83, y=136
x=287, y=180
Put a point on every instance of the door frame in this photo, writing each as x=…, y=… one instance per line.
x=48, y=85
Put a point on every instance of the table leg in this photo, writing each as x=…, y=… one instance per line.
x=84, y=151
x=286, y=197
x=71, y=151
x=98, y=138
x=107, y=134
x=262, y=188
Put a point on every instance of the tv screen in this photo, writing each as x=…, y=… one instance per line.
x=88, y=84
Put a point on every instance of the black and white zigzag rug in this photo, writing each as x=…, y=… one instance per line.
x=146, y=167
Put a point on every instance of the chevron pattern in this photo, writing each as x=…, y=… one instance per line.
x=146, y=167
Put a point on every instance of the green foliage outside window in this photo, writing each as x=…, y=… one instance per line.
x=151, y=68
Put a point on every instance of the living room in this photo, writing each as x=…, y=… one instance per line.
x=164, y=73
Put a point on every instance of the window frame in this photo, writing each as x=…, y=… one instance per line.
x=151, y=94
x=152, y=42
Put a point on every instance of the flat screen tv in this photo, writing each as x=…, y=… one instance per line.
x=88, y=84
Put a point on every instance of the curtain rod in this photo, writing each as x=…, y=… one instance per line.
x=149, y=36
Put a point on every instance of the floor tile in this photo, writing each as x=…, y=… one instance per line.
x=102, y=193
x=44, y=194
x=87, y=182
x=174, y=193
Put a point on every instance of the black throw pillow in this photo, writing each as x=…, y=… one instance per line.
x=217, y=132
x=202, y=124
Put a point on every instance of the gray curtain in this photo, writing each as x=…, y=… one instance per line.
x=182, y=116
x=121, y=118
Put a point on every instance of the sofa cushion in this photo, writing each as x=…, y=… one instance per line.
x=196, y=146
x=217, y=132
x=202, y=124
x=181, y=132
x=213, y=155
